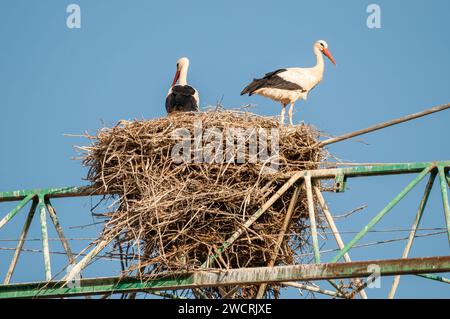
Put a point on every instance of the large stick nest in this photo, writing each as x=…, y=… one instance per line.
x=172, y=216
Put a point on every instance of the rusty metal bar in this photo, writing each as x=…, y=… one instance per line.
x=384, y=125
x=413, y=231
x=217, y=278
x=23, y=236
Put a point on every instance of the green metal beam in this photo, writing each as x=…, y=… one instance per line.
x=345, y=172
x=16, y=209
x=372, y=170
x=355, y=171
x=44, y=233
x=312, y=219
x=383, y=212
x=52, y=213
x=199, y=279
x=47, y=192
x=445, y=202
x=23, y=236
x=413, y=232
x=435, y=277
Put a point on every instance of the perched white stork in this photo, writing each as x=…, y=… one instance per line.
x=182, y=97
x=291, y=84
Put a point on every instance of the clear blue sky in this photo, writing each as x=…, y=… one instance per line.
x=119, y=65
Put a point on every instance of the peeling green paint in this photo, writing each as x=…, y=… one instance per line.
x=44, y=233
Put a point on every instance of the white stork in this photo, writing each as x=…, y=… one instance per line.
x=291, y=84
x=182, y=97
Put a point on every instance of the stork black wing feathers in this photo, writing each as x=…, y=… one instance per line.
x=181, y=99
x=270, y=74
x=185, y=90
x=271, y=80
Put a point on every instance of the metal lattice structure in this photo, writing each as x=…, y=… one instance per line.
x=339, y=267
x=289, y=275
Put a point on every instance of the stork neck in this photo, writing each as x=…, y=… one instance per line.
x=320, y=62
x=183, y=76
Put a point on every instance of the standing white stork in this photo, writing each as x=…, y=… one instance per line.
x=182, y=97
x=291, y=84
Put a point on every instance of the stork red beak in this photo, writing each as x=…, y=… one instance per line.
x=175, y=79
x=329, y=56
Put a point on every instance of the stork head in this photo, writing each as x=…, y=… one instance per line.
x=322, y=46
x=182, y=63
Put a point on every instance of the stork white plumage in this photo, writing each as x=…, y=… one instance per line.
x=291, y=84
x=182, y=97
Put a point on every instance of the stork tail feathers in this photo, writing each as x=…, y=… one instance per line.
x=260, y=83
x=252, y=87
